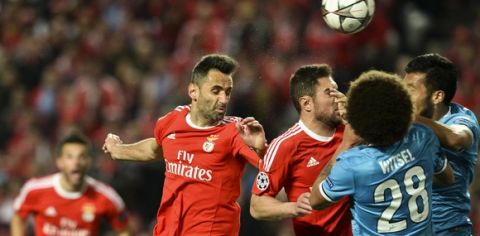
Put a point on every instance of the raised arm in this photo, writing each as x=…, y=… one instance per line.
x=454, y=137
x=269, y=208
x=144, y=150
x=17, y=226
x=350, y=139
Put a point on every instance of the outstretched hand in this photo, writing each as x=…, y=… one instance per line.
x=252, y=134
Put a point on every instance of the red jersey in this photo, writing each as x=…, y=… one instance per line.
x=203, y=169
x=293, y=161
x=58, y=212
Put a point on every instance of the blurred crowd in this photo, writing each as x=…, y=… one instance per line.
x=115, y=66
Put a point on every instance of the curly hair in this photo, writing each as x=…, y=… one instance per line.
x=379, y=108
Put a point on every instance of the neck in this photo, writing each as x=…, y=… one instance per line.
x=68, y=186
x=440, y=111
x=317, y=126
x=199, y=120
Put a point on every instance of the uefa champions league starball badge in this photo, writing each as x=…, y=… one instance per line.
x=210, y=144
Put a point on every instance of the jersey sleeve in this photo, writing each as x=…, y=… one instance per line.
x=466, y=121
x=241, y=149
x=340, y=182
x=439, y=159
x=116, y=213
x=161, y=125
x=24, y=204
x=274, y=171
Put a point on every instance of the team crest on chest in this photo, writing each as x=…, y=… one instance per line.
x=210, y=143
x=88, y=212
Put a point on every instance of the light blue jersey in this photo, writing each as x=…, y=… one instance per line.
x=390, y=187
x=451, y=204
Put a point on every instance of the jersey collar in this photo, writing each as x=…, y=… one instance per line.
x=313, y=135
x=188, y=119
x=62, y=192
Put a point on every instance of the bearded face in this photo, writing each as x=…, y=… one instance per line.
x=212, y=96
x=325, y=108
x=73, y=164
x=421, y=98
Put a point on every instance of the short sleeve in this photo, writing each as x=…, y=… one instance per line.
x=160, y=127
x=340, y=182
x=439, y=160
x=466, y=121
x=24, y=203
x=117, y=215
x=241, y=149
x=274, y=171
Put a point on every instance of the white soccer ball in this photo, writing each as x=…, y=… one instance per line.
x=348, y=16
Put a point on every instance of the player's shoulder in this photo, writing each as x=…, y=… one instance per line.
x=38, y=183
x=105, y=191
x=179, y=110
x=289, y=137
x=460, y=114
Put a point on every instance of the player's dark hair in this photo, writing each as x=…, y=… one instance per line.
x=73, y=138
x=303, y=81
x=441, y=74
x=379, y=108
x=222, y=63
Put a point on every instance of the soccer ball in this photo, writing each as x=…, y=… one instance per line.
x=348, y=16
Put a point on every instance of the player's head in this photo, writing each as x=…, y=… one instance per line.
x=73, y=160
x=310, y=88
x=211, y=85
x=379, y=108
x=432, y=80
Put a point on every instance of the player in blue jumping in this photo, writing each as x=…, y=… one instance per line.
x=389, y=175
x=432, y=81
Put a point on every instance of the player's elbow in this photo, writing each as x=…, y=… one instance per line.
x=458, y=144
x=254, y=213
x=459, y=140
x=254, y=209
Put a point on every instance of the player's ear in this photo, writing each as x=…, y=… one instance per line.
x=306, y=103
x=193, y=91
x=438, y=97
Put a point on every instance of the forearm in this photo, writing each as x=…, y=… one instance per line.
x=144, y=150
x=317, y=201
x=451, y=138
x=17, y=227
x=270, y=208
x=261, y=151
